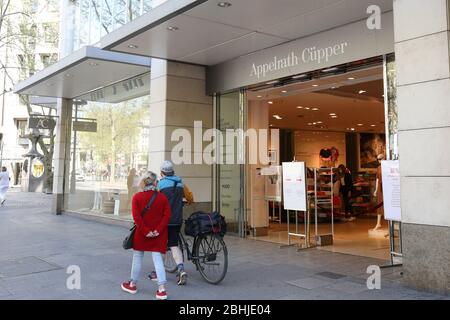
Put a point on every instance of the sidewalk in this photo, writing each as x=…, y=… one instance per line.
x=37, y=247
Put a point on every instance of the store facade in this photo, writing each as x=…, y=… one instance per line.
x=338, y=51
x=208, y=78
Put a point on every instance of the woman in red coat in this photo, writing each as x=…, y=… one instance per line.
x=150, y=234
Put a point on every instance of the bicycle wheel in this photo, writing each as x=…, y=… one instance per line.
x=169, y=262
x=211, y=257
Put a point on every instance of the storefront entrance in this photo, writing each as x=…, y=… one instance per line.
x=334, y=117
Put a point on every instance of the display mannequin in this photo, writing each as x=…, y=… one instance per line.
x=378, y=193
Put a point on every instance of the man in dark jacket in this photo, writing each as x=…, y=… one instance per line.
x=346, y=189
x=172, y=186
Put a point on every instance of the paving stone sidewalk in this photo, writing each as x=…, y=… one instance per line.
x=37, y=248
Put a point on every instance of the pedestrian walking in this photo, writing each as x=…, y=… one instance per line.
x=151, y=233
x=176, y=192
x=133, y=182
x=4, y=185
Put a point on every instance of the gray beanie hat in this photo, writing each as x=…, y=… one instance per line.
x=167, y=167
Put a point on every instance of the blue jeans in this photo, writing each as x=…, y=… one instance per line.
x=157, y=261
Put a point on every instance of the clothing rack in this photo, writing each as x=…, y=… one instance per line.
x=321, y=172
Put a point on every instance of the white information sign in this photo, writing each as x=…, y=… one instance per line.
x=294, y=186
x=390, y=174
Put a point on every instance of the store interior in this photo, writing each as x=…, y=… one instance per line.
x=328, y=120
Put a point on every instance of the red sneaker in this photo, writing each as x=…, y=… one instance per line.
x=127, y=287
x=152, y=276
x=161, y=295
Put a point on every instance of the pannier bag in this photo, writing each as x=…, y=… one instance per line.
x=205, y=223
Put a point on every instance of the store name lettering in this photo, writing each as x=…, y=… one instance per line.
x=307, y=55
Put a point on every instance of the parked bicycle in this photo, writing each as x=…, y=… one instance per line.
x=207, y=252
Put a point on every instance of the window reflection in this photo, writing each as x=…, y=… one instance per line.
x=96, y=18
x=109, y=150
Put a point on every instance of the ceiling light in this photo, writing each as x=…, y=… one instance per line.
x=259, y=96
x=93, y=64
x=270, y=102
x=330, y=69
x=334, y=117
x=172, y=28
x=224, y=4
x=272, y=82
x=333, y=87
x=307, y=108
x=332, y=114
x=284, y=91
x=351, y=78
x=68, y=75
x=315, y=109
x=299, y=76
x=373, y=125
x=314, y=123
x=319, y=122
x=352, y=129
x=132, y=46
x=299, y=107
x=362, y=91
x=360, y=124
x=315, y=85
x=277, y=117
x=310, y=124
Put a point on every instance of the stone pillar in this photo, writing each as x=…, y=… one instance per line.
x=61, y=155
x=423, y=95
x=177, y=99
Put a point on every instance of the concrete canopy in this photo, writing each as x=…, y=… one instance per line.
x=211, y=32
x=83, y=71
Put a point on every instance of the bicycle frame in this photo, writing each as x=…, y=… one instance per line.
x=186, y=247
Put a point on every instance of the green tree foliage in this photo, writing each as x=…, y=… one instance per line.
x=119, y=128
x=20, y=35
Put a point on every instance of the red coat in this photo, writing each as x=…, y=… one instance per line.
x=157, y=218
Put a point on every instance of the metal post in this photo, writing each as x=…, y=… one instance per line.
x=279, y=211
x=288, y=228
x=315, y=203
x=305, y=227
x=273, y=210
x=332, y=204
x=74, y=156
x=1, y=152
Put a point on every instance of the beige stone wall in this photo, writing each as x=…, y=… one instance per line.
x=177, y=99
x=423, y=96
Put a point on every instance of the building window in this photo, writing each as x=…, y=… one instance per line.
x=50, y=32
x=52, y=5
x=48, y=59
x=21, y=125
